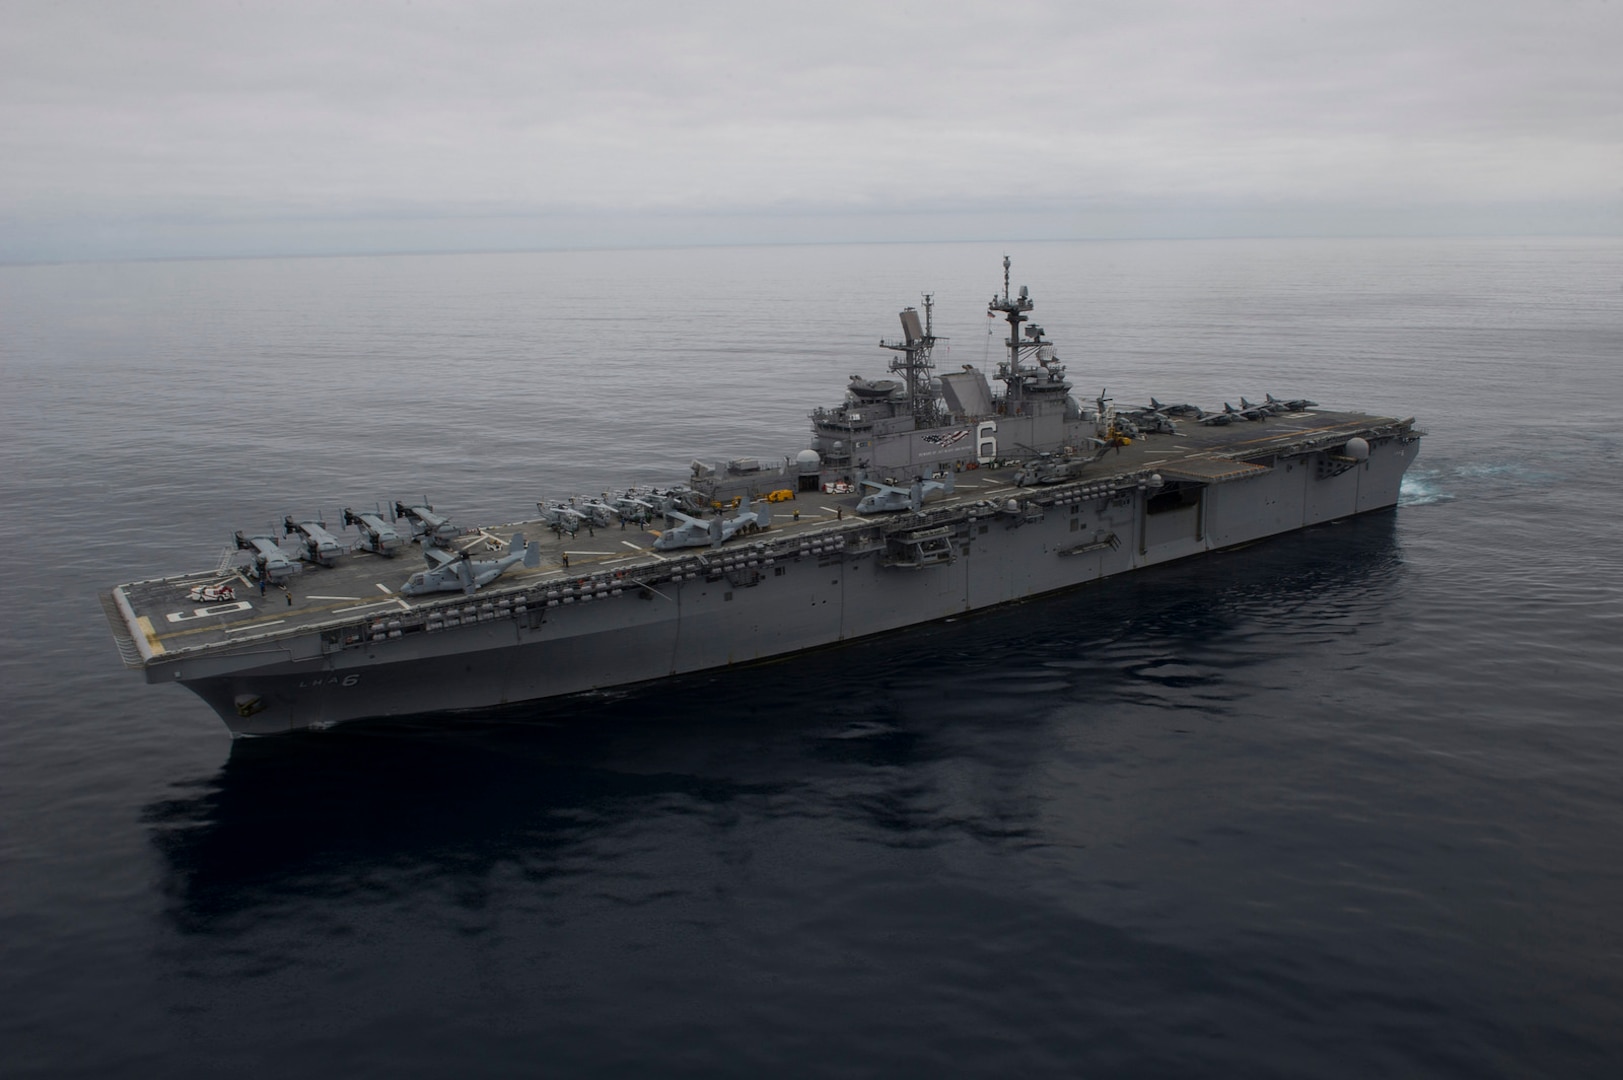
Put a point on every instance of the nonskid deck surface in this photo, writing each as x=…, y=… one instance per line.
x=363, y=587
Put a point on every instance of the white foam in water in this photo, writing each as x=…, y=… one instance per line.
x=1420, y=489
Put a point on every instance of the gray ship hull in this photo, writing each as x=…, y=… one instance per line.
x=802, y=584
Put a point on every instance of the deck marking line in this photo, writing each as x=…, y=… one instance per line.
x=151, y=634
x=251, y=626
x=360, y=607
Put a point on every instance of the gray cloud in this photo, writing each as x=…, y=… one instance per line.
x=170, y=123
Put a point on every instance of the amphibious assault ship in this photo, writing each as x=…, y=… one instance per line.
x=920, y=497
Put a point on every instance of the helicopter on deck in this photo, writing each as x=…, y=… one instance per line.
x=561, y=518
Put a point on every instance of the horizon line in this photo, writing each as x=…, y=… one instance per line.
x=605, y=247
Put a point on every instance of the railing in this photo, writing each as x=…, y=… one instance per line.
x=128, y=651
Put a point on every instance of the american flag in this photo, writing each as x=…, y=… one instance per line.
x=946, y=439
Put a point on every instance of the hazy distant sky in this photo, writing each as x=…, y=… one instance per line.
x=141, y=127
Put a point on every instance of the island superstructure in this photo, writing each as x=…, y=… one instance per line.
x=971, y=494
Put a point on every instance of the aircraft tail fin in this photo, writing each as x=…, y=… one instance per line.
x=946, y=482
x=532, y=554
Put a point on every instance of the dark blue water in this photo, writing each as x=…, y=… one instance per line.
x=1346, y=803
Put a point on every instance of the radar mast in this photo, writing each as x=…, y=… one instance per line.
x=1024, y=382
x=915, y=365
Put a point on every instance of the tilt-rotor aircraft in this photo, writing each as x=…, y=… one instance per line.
x=697, y=532
x=448, y=572
x=427, y=526
x=270, y=560
x=377, y=535
x=887, y=498
x=316, y=544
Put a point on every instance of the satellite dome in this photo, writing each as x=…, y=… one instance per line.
x=1358, y=449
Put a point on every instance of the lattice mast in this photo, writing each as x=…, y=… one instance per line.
x=914, y=364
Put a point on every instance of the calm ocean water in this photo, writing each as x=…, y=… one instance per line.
x=1346, y=803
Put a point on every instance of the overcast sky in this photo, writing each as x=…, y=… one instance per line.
x=141, y=127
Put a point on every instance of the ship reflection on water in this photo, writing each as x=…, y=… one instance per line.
x=910, y=740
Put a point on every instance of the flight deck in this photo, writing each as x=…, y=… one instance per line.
x=361, y=591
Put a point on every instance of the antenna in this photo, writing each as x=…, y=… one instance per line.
x=1013, y=310
x=915, y=365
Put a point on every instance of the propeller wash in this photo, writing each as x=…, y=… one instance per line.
x=920, y=497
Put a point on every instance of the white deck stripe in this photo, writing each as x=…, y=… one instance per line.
x=255, y=626
x=362, y=607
